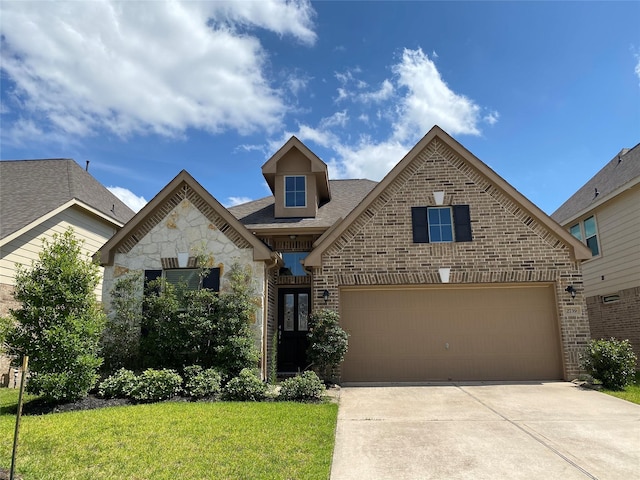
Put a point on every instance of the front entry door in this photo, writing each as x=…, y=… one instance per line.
x=293, y=317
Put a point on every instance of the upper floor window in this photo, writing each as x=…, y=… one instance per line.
x=441, y=224
x=295, y=191
x=586, y=231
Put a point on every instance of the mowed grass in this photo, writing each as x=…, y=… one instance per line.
x=631, y=392
x=222, y=440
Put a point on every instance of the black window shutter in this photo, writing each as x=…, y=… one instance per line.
x=212, y=280
x=419, y=224
x=150, y=276
x=462, y=223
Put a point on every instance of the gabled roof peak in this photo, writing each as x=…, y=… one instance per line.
x=317, y=167
x=183, y=186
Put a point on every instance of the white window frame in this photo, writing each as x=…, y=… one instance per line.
x=296, y=191
x=583, y=233
x=453, y=227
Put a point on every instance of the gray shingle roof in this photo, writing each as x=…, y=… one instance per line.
x=30, y=189
x=622, y=169
x=345, y=195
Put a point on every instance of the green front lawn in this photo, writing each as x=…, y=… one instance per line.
x=631, y=392
x=173, y=440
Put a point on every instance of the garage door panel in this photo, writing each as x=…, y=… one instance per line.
x=430, y=334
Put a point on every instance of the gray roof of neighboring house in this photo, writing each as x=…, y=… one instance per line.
x=622, y=169
x=29, y=189
x=345, y=195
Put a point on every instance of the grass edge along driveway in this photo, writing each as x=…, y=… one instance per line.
x=226, y=440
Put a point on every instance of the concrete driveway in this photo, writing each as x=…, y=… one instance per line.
x=548, y=431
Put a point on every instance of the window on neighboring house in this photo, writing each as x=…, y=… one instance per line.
x=586, y=231
x=591, y=236
x=441, y=224
x=576, y=231
x=295, y=191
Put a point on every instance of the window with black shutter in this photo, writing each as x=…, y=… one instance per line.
x=441, y=224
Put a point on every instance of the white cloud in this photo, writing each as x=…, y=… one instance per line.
x=140, y=67
x=233, y=201
x=245, y=147
x=429, y=101
x=296, y=84
x=384, y=93
x=133, y=201
x=492, y=117
x=637, y=69
x=394, y=116
x=369, y=159
x=406, y=107
x=338, y=119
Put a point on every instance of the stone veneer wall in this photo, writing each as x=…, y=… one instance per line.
x=186, y=229
x=620, y=319
x=508, y=245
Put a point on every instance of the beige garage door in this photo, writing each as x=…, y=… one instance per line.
x=450, y=333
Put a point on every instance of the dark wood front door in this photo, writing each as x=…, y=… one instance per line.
x=293, y=317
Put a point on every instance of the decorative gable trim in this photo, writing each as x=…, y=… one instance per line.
x=172, y=262
x=182, y=187
x=183, y=192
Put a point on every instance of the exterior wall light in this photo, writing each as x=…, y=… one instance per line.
x=571, y=291
x=325, y=295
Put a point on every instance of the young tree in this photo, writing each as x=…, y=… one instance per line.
x=121, y=336
x=328, y=342
x=60, y=322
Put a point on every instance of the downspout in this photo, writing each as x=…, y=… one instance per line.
x=276, y=259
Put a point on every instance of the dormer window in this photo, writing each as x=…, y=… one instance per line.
x=295, y=191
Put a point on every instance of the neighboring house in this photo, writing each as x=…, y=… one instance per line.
x=442, y=271
x=39, y=198
x=605, y=214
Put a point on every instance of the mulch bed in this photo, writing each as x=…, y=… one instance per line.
x=91, y=402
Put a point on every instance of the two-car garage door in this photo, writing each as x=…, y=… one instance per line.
x=447, y=332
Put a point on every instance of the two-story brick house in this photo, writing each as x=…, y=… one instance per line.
x=440, y=271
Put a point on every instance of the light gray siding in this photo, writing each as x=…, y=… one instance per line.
x=619, y=238
x=25, y=248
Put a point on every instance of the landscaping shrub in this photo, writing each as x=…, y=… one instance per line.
x=121, y=337
x=201, y=383
x=247, y=386
x=302, y=388
x=155, y=385
x=118, y=385
x=60, y=322
x=328, y=342
x=200, y=327
x=610, y=361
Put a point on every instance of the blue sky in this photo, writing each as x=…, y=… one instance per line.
x=545, y=93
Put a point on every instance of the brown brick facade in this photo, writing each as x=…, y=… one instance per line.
x=619, y=319
x=509, y=246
